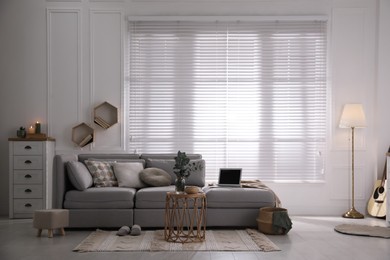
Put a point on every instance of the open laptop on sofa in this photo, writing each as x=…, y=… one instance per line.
x=229, y=177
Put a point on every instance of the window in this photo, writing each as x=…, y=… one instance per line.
x=242, y=94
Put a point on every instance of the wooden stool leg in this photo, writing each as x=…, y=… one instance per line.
x=62, y=231
x=50, y=233
x=39, y=232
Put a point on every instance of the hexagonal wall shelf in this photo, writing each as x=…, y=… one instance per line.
x=82, y=134
x=105, y=115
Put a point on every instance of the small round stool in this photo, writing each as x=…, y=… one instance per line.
x=51, y=219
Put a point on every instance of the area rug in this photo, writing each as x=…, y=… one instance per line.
x=216, y=240
x=363, y=230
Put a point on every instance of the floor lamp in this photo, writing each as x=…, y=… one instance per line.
x=353, y=117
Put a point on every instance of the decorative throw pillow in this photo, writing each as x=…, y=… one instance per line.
x=102, y=173
x=155, y=177
x=127, y=174
x=163, y=164
x=79, y=175
x=196, y=178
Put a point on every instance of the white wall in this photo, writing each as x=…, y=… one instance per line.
x=59, y=59
x=383, y=84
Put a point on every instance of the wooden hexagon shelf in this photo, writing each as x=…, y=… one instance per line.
x=105, y=115
x=82, y=134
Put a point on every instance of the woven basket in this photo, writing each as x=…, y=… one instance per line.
x=191, y=189
x=264, y=221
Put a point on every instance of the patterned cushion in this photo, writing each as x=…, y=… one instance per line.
x=102, y=173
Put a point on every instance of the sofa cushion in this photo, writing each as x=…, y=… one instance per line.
x=152, y=197
x=79, y=175
x=155, y=198
x=155, y=177
x=100, y=198
x=127, y=174
x=102, y=173
x=196, y=178
x=225, y=197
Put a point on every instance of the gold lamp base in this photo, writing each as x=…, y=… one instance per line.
x=353, y=213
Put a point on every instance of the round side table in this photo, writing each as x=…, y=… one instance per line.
x=185, y=217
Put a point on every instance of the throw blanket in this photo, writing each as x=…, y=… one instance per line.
x=256, y=184
x=280, y=219
x=259, y=185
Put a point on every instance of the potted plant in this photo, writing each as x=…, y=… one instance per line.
x=21, y=132
x=183, y=169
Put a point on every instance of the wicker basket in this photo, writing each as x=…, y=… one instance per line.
x=264, y=221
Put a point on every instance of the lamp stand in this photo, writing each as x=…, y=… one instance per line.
x=353, y=213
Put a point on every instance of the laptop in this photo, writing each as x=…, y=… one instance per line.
x=229, y=177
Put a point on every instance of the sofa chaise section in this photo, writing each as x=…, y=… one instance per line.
x=236, y=206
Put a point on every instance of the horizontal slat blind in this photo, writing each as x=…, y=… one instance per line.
x=243, y=94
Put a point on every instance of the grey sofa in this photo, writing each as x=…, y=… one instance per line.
x=117, y=206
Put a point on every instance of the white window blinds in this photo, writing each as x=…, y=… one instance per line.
x=242, y=94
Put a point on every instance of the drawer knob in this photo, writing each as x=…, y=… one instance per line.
x=27, y=162
x=27, y=176
x=27, y=147
x=28, y=205
x=27, y=190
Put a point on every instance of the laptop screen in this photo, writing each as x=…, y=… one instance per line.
x=230, y=176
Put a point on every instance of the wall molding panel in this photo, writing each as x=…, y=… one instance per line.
x=107, y=72
x=64, y=75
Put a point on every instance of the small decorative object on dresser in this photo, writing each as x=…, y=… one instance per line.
x=30, y=175
x=21, y=132
x=31, y=130
x=37, y=127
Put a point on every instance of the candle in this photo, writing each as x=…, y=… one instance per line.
x=37, y=127
x=31, y=130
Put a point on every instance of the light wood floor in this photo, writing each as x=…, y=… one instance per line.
x=310, y=238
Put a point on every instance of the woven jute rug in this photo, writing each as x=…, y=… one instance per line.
x=363, y=230
x=216, y=240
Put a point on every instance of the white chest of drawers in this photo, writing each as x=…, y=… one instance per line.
x=30, y=176
x=388, y=190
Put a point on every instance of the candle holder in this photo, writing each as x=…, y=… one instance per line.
x=31, y=130
x=37, y=128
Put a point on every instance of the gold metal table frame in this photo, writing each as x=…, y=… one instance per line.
x=185, y=217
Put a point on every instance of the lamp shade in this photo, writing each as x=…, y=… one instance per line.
x=353, y=116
